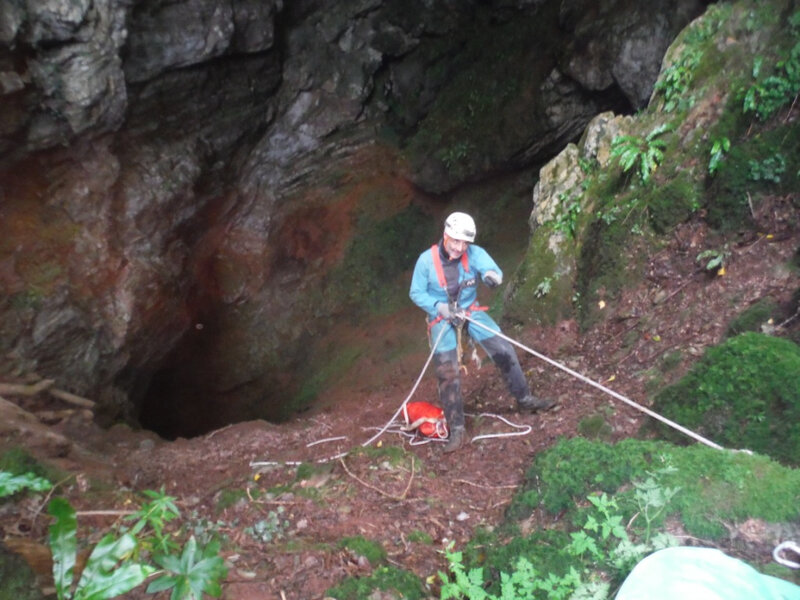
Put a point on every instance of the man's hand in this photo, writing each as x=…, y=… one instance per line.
x=443, y=308
x=453, y=315
x=492, y=279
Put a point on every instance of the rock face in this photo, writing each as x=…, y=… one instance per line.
x=179, y=179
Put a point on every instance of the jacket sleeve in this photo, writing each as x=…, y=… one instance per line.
x=481, y=261
x=420, y=292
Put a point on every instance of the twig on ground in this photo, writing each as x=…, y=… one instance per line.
x=486, y=487
x=104, y=513
x=380, y=491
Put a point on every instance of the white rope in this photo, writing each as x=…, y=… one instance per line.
x=411, y=393
x=380, y=432
x=524, y=429
x=776, y=554
x=601, y=387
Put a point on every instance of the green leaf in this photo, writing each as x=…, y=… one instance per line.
x=104, y=577
x=63, y=544
x=11, y=484
x=196, y=571
x=119, y=581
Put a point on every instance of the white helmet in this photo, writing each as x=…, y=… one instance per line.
x=460, y=226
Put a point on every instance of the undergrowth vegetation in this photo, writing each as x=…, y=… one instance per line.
x=742, y=393
x=127, y=554
x=603, y=507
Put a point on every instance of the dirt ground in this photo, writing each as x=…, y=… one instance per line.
x=677, y=309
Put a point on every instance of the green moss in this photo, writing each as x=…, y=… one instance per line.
x=753, y=317
x=420, y=537
x=542, y=287
x=229, y=497
x=565, y=474
x=766, y=163
x=714, y=485
x=372, y=551
x=394, y=455
x=385, y=578
x=674, y=202
x=595, y=427
x=740, y=395
x=611, y=257
x=381, y=251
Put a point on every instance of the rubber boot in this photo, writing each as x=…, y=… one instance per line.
x=532, y=404
x=456, y=440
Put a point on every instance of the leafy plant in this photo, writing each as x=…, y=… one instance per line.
x=609, y=524
x=198, y=570
x=117, y=565
x=10, y=484
x=570, y=210
x=676, y=79
x=269, y=529
x=765, y=97
x=719, y=149
x=652, y=499
x=769, y=169
x=156, y=514
x=642, y=154
x=602, y=543
x=109, y=571
x=543, y=287
x=520, y=584
x=712, y=259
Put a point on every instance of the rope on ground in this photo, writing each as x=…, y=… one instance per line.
x=788, y=545
x=599, y=386
x=262, y=463
x=411, y=393
x=523, y=429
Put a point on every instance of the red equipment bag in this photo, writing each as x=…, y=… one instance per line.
x=428, y=419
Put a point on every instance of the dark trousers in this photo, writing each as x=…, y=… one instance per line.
x=447, y=372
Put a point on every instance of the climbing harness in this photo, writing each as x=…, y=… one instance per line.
x=599, y=386
x=457, y=323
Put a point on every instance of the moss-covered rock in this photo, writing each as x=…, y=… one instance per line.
x=17, y=580
x=742, y=486
x=743, y=393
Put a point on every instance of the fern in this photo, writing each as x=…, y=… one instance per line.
x=642, y=154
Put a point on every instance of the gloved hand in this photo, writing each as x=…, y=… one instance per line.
x=443, y=308
x=492, y=279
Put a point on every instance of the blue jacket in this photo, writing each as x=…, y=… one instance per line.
x=426, y=291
